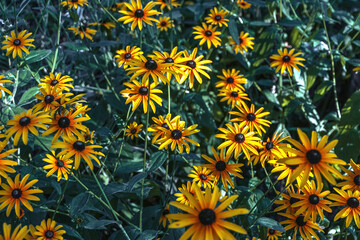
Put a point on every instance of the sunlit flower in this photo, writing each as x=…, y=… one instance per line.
x=62, y=82
x=124, y=56
x=49, y=98
x=202, y=176
x=165, y=23
x=74, y=3
x=231, y=79
x=133, y=130
x=243, y=4
x=233, y=97
x=286, y=60
x=17, y=42
x=160, y=126
x=5, y=164
x=2, y=88
x=207, y=34
x=59, y=163
x=245, y=43
x=188, y=189
x=217, y=17
x=19, y=232
x=168, y=4
x=48, y=230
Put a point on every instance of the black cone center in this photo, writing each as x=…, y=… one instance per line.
x=176, y=134
x=143, y=90
x=60, y=163
x=286, y=59
x=208, y=33
x=24, y=121
x=127, y=55
x=234, y=94
x=151, y=65
x=269, y=145
x=240, y=138
x=271, y=231
x=220, y=166
x=54, y=82
x=133, y=131
x=203, y=177
x=139, y=13
x=64, y=122
x=207, y=216
x=314, y=199
x=230, y=80
x=164, y=125
x=250, y=117
x=357, y=180
x=169, y=60
x=191, y=64
x=300, y=221
x=353, y=202
x=17, y=42
x=49, y=234
x=49, y=99
x=217, y=18
x=16, y=193
x=79, y=146
x=163, y=23
x=313, y=156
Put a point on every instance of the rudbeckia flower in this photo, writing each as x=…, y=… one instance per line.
x=57, y=163
x=231, y=79
x=124, y=56
x=2, y=81
x=48, y=230
x=18, y=233
x=17, y=42
x=133, y=130
x=217, y=17
x=165, y=23
x=202, y=176
x=207, y=34
x=286, y=60
x=74, y=3
x=83, y=31
x=245, y=43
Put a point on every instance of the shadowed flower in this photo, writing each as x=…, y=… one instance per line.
x=243, y=4
x=5, y=164
x=233, y=96
x=48, y=230
x=286, y=60
x=83, y=30
x=59, y=163
x=273, y=234
x=137, y=14
x=206, y=216
x=160, y=126
x=245, y=42
x=133, y=130
x=165, y=23
x=104, y=23
x=74, y=3
x=352, y=181
x=124, y=56
x=163, y=218
x=189, y=189
x=169, y=4
x=17, y=42
x=62, y=82
x=16, y=193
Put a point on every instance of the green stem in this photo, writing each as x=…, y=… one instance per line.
x=332, y=68
x=57, y=41
x=60, y=199
x=261, y=198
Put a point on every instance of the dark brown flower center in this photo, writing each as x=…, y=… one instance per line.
x=60, y=163
x=208, y=33
x=49, y=234
x=314, y=199
x=169, y=60
x=54, y=82
x=191, y=64
x=217, y=18
x=176, y=134
x=64, y=122
x=230, y=80
x=164, y=125
x=127, y=55
x=79, y=146
x=313, y=156
x=353, y=202
x=139, y=13
x=165, y=212
x=87, y=137
x=220, y=166
x=357, y=180
x=49, y=99
x=163, y=23
x=17, y=42
x=207, y=216
x=202, y=177
x=16, y=193
x=133, y=131
x=234, y=94
x=300, y=221
x=24, y=121
x=251, y=117
x=151, y=65
x=241, y=40
x=271, y=231
x=143, y=90
x=286, y=59
x=240, y=138
x=269, y=145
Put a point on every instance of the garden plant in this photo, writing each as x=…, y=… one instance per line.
x=179, y=119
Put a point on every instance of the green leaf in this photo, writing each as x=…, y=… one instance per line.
x=271, y=97
x=135, y=180
x=270, y=223
x=234, y=32
x=156, y=160
x=348, y=145
x=78, y=203
x=37, y=55
x=29, y=94
x=351, y=111
x=99, y=224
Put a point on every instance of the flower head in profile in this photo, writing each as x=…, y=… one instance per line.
x=217, y=17
x=133, y=130
x=287, y=201
x=137, y=15
x=2, y=88
x=5, y=164
x=138, y=93
x=221, y=168
x=184, y=190
x=104, y=24
x=202, y=176
x=273, y=234
x=169, y=4
x=249, y=117
x=231, y=79
x=25, y=122
x=74, y=3
x=124, y=56
x=58, y=163
x=19, y=232
x=195, y=67
x=163, y=218
x=177, y=135
x=17, y=43
x=243, y=4
x=205, y=216
x=356, y=69
x=286, y=60
x=49, y=230
x=17, y=193
x=238, y=139
x=245, y=42
x=78, y=148
x=313, y=156
x=83, y=31
x=233, y=97
x=165, y=23
x=352, y=179
x=207, y=34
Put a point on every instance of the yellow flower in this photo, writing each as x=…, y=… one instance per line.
x=245, y=43
x=60, y=164
x=185, y=189
x=4, y=88
x=137, y=14
x=165, y=23
x=233, y=96
x=231, y=79
x=202, y=176
x=48, y=230
x=83, y=30
x=286, y=60
x=19, y=232
x=62, y=82
x=16, y=43
x=217, y=17
x=133, y=130
x=124, y=56
x=160, y=126
x=74, y=3
x=167, y=3
x=207, y=34
x=243, y=4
